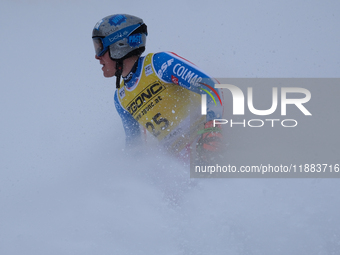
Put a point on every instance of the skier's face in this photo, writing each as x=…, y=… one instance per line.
x=109, y=66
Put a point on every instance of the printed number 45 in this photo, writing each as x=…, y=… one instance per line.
x=158, y=121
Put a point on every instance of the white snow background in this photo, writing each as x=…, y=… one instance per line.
x=68, y=187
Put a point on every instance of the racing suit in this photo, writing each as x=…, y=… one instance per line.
x=162, y=93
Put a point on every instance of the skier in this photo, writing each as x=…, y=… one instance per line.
x=160, y=91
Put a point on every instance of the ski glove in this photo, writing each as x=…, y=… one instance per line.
x=209, y=145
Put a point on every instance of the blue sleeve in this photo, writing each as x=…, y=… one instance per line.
x=172, y=68
x=131, y=126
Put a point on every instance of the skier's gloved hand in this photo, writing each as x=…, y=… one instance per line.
x=209, y=145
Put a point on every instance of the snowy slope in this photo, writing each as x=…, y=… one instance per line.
x=67, y=186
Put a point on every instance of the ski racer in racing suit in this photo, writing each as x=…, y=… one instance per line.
x=160, y=91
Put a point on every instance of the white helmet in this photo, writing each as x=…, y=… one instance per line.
x=124, y=35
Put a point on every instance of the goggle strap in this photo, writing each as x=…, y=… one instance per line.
x=119, y=35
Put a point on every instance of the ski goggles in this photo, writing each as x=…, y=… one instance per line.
x=101, y=44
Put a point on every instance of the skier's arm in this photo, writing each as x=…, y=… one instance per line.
x=131, y=126
x=172, y=68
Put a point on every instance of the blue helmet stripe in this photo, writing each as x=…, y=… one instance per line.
x=119, y=35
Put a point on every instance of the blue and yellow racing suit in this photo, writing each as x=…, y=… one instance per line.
x=163, y=94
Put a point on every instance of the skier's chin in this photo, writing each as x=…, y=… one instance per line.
x=107, y=74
